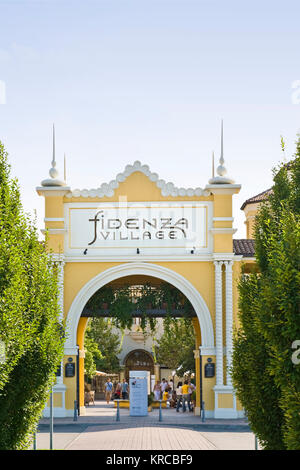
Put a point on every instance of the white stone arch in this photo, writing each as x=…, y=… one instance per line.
x=147, y=269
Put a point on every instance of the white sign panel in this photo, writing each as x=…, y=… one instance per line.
x=138, y=393
x=150, y=226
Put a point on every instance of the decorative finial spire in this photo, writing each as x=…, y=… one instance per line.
x=221, y=170
x=54, y=181
x=213, y=165
x=222, y=156
x=53, y=147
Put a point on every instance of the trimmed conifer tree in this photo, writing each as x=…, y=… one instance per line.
x=30, y=332
x=270, y=318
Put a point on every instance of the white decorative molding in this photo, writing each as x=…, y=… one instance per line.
x=223, y=188
x=225, y=230
x=137, y=257
x=226, y=256
x=71, y=350
x=108, y=189
x=219, y=322
x=229, y=316
x=223, y=219
x=225, y=413
x=52, y=190
x=58, y=412
x=205, y=351
x=54, y=219
x=54, y=231
x=60, y=259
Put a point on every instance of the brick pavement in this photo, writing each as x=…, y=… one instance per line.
x=124, y=437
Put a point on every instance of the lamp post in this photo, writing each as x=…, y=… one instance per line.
x=118, y=410
x=160, y=413
x=51, y=419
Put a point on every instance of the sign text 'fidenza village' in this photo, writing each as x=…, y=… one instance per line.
x=116, y=229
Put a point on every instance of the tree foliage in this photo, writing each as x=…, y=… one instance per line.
x=103, y=344
x=122, y=301
x=29, y=318
x=263, y=372
x=92, y=354
x=175, y=348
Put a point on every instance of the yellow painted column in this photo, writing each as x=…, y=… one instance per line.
x=157, y=372
x=197, y=364
x=80, y=341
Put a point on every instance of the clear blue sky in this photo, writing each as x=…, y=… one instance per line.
x=149, y=80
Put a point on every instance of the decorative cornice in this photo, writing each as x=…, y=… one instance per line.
x=221, y=230
x=224, y=256
x=108, y=189
x=54, y=231
x=196, y=354
x=52, y=190
x=223, y=188
x=54, y=219
x=223, y=219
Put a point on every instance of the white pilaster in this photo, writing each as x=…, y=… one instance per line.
x=228, y=277
x=61, y=265
x=219, y=322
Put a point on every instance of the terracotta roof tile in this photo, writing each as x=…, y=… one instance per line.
x=244, y=247
x=258, y=198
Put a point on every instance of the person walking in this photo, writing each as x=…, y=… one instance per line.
x=108, y=386
x=173, y=399
x=124, y=390
x=185, y=396
x=164, y=384
x=118, y=390
x=157, y=391
x=178, y=395
x=192, y=388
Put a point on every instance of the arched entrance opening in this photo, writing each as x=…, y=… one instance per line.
x=138, y=359
x=140, y=269
x=136, y=276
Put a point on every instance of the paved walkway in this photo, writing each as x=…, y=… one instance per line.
x=99, y=430
x=103, y=414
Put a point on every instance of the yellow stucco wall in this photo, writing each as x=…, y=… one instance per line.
x=208, y=385
x=225, y=400
x=70, y=383
x=57, y=400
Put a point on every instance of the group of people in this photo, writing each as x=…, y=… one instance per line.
x=116, y=391
x=181, y=397
x=164, y=390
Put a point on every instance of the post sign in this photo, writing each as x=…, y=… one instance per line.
x=173, y=226
x=138, y=393
x=70, y=369
x=209, y=370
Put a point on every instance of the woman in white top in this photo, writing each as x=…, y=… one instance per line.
x=179, y=395
x=157, y=391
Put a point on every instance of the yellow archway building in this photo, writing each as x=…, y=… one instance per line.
x=140, y=225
